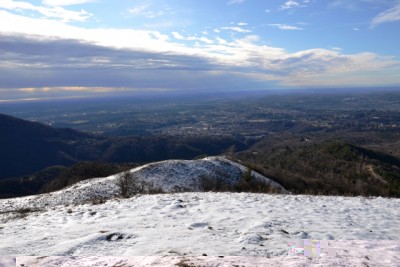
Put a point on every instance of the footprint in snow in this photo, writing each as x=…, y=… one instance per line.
x=253, y=239
x=302, y=235
x=198, y=225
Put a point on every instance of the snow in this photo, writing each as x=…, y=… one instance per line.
x=170, y=176
x=72, y=228
x=178, y=228
x=355, y=259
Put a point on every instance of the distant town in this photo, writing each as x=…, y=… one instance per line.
x=251, y=116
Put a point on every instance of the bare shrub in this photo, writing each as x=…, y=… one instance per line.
x=248, y=183
x=130, y=185
x=98, y=201
x=123, y=183
x=209, y=184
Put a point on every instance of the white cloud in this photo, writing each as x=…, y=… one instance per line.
x=356, y=29
x=294, y=4
x=286, y=27
x=119, y=38
x=221, y=41
x=66, y=2
x=290, y=4
x=235, y=2
x=390, y=15
x=138, y=10
x=321, y=67
x=178, y=36
x=206, y=40
x=242, y=24
x=49, y=12
x=144, y=11
x=236, y=29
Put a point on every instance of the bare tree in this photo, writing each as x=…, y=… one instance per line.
x=123, y=183
x=130, y=185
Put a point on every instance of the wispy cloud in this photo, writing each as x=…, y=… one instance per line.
x=335, y=48
x=178, y=36
x=203, y=39
x=285, y=27
x=390, y=15
x=55, y=12
x=357, y=5
x=68, y=88
x=236, y=2
x=66, y=2
x=290, y=4
x=294, y=4
x=236, y=29
x=145, y=11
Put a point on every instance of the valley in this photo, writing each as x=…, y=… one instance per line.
x=330, y=143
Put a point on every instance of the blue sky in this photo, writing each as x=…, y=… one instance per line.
x=68, y=48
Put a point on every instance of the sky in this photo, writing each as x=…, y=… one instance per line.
x=71, y=48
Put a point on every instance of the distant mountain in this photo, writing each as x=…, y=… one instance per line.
x=208, y=174
x=27, y=147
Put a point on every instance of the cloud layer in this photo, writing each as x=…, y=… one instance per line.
x=45, y=54
x=48, y=62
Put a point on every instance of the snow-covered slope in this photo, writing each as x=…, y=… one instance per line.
x=187, y=175
x=169, y=176
x=68, y=228
x=247, y=229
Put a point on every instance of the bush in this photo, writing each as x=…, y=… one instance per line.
x=212, y=184
x=247, y=183
x=130, y=185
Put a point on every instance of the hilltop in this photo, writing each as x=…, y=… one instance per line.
x=171, y=176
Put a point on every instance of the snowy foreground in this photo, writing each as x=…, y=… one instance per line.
x=204, y=229
x=88, y=224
